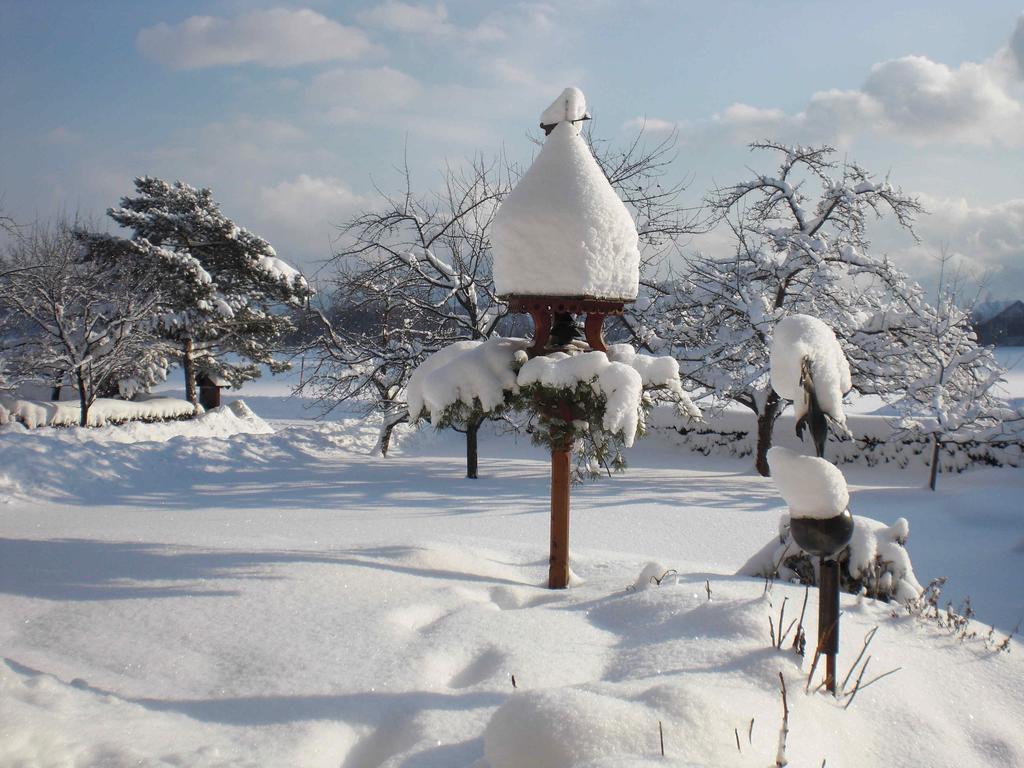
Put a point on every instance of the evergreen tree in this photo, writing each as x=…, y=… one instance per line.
x=224, y=290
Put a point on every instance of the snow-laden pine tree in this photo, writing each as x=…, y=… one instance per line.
x=75, y=317
x=225, y=293
x=801, y=247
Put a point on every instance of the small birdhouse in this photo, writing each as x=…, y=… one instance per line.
x=210, y=385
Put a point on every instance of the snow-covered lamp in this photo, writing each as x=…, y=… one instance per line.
x=563, y=242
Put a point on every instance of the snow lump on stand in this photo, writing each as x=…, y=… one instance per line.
x=801, y=336
x=812, y=487
x=563, y=231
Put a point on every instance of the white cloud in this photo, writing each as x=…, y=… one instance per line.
x=305, y=211
x=431, y=21
x=275, y=38
x=986, y=243
x=650, y=125
x=912, y=99
x=353, y=95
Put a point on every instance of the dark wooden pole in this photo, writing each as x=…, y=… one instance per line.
x=828, y=619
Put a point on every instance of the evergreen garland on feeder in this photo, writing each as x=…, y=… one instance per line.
x=594, y=448
x=611, y=395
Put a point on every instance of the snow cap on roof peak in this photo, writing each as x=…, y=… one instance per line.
x=570, y=106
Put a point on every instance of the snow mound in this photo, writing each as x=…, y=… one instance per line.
x=583, y=727
x=570, y=106
x=801, y=336
x=654, y=574
x=563, y=230
x=812, y=487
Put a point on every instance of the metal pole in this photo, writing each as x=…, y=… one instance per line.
x=828, y=619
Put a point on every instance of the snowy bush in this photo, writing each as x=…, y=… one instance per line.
x=875, y=562
x=874, y=441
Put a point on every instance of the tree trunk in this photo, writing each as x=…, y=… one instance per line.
x=55, y=392
x=472, y=428
x=390, y=422
x=765, y=425
x=188, y=365
x=83, y=400
x=934, y=476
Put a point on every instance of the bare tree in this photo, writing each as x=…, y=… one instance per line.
x=949, y=395
x=796, y=251
x=418, y=268
x=73, y=315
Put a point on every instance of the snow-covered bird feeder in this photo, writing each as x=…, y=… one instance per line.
x=808, y=366
x=564, y=244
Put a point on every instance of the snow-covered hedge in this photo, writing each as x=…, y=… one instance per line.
x=875, y=441
x=40, y=413
x=875, y=562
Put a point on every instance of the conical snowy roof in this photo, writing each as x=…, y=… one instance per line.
x=563, y=230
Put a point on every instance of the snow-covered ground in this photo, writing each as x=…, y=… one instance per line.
x=215, y=594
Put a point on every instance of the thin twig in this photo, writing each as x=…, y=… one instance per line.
x=782, y=614
x=661, y=737
x=856, y=686
x=780, y=756
x=800, y=638
x=867, y=641
x=870, y=682
x=750, y=732
x=736, y=731
x=814, y=666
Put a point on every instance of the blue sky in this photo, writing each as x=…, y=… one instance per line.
x=291, y=112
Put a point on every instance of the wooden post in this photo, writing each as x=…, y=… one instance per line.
x=558, y=569
x=561, y=460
